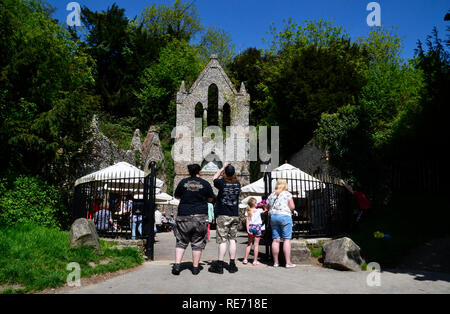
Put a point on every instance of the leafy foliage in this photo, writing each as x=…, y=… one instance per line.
x=178, y=61
x=178, y=21
x=216, y=41
x=305, y=76
x=45, y=96
x=31, y=201
x=121, y=50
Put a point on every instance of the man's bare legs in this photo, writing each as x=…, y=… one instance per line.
x=233, y=248
x=222, y=251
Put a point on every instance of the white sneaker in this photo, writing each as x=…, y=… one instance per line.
x=275, y=265
x=291, y=266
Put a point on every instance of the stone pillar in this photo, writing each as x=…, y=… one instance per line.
x=220, y=120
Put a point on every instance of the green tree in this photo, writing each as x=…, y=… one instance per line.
x=248, y=67
x=46, y=94
x=434, y=62
x=305, y=78
x=178, y=61
x=216, y=41
x=364, y=138
x=121, y=49
x=179, y=21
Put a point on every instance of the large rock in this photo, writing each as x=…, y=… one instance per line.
x=152, y=149
x=300, y=254
x=104, y=152
x=84, y=234
x=136, y=142
x=342, y=254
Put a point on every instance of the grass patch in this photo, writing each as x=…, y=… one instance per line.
x=409, y=220
x=36, y=258
x=316, y=251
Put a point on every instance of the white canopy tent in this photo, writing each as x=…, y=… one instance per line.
x=298, y=182
x=124, y=177
x=121, y=172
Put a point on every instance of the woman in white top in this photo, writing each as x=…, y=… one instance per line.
x=281, y=205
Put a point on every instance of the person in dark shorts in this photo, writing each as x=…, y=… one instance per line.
x=227, y=216
x=191, y=224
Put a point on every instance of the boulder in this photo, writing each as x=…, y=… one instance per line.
x=342, y=254
x=300, y=254
x=84, y=234
x=136, y=142
x=152, y=149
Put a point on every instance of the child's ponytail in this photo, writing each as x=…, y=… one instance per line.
x=251, y=203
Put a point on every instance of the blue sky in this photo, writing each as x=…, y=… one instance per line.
x=247, y=21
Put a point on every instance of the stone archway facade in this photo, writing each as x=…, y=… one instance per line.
x=238, y=102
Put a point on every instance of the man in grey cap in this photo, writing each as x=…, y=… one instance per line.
x=227, y=213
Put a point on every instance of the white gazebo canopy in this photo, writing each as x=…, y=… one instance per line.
x=122, y=172
x=298, y=182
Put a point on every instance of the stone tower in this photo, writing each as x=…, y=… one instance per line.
x=232, y=109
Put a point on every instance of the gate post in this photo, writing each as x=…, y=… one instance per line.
x=268, y=231
x=149, y=211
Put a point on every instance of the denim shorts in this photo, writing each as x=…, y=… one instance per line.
x=281, y=226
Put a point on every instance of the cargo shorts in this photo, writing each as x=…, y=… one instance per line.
x=191, y=229
x=226, y=228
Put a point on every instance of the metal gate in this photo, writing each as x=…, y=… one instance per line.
x=106, y=201
x=148, y=220
x=322, y=205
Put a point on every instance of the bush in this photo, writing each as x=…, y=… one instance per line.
x=31, y=200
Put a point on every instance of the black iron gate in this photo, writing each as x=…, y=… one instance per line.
x=122, y=205
x=322, y=204
x=149, y=211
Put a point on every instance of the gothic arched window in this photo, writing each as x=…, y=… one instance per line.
x=226, y=116
x=199, y=114
x=213, y=105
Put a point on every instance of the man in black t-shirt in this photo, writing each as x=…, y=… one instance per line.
x=191, y=224
x=227, y=213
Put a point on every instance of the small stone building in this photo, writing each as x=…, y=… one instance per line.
x=214, y=101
